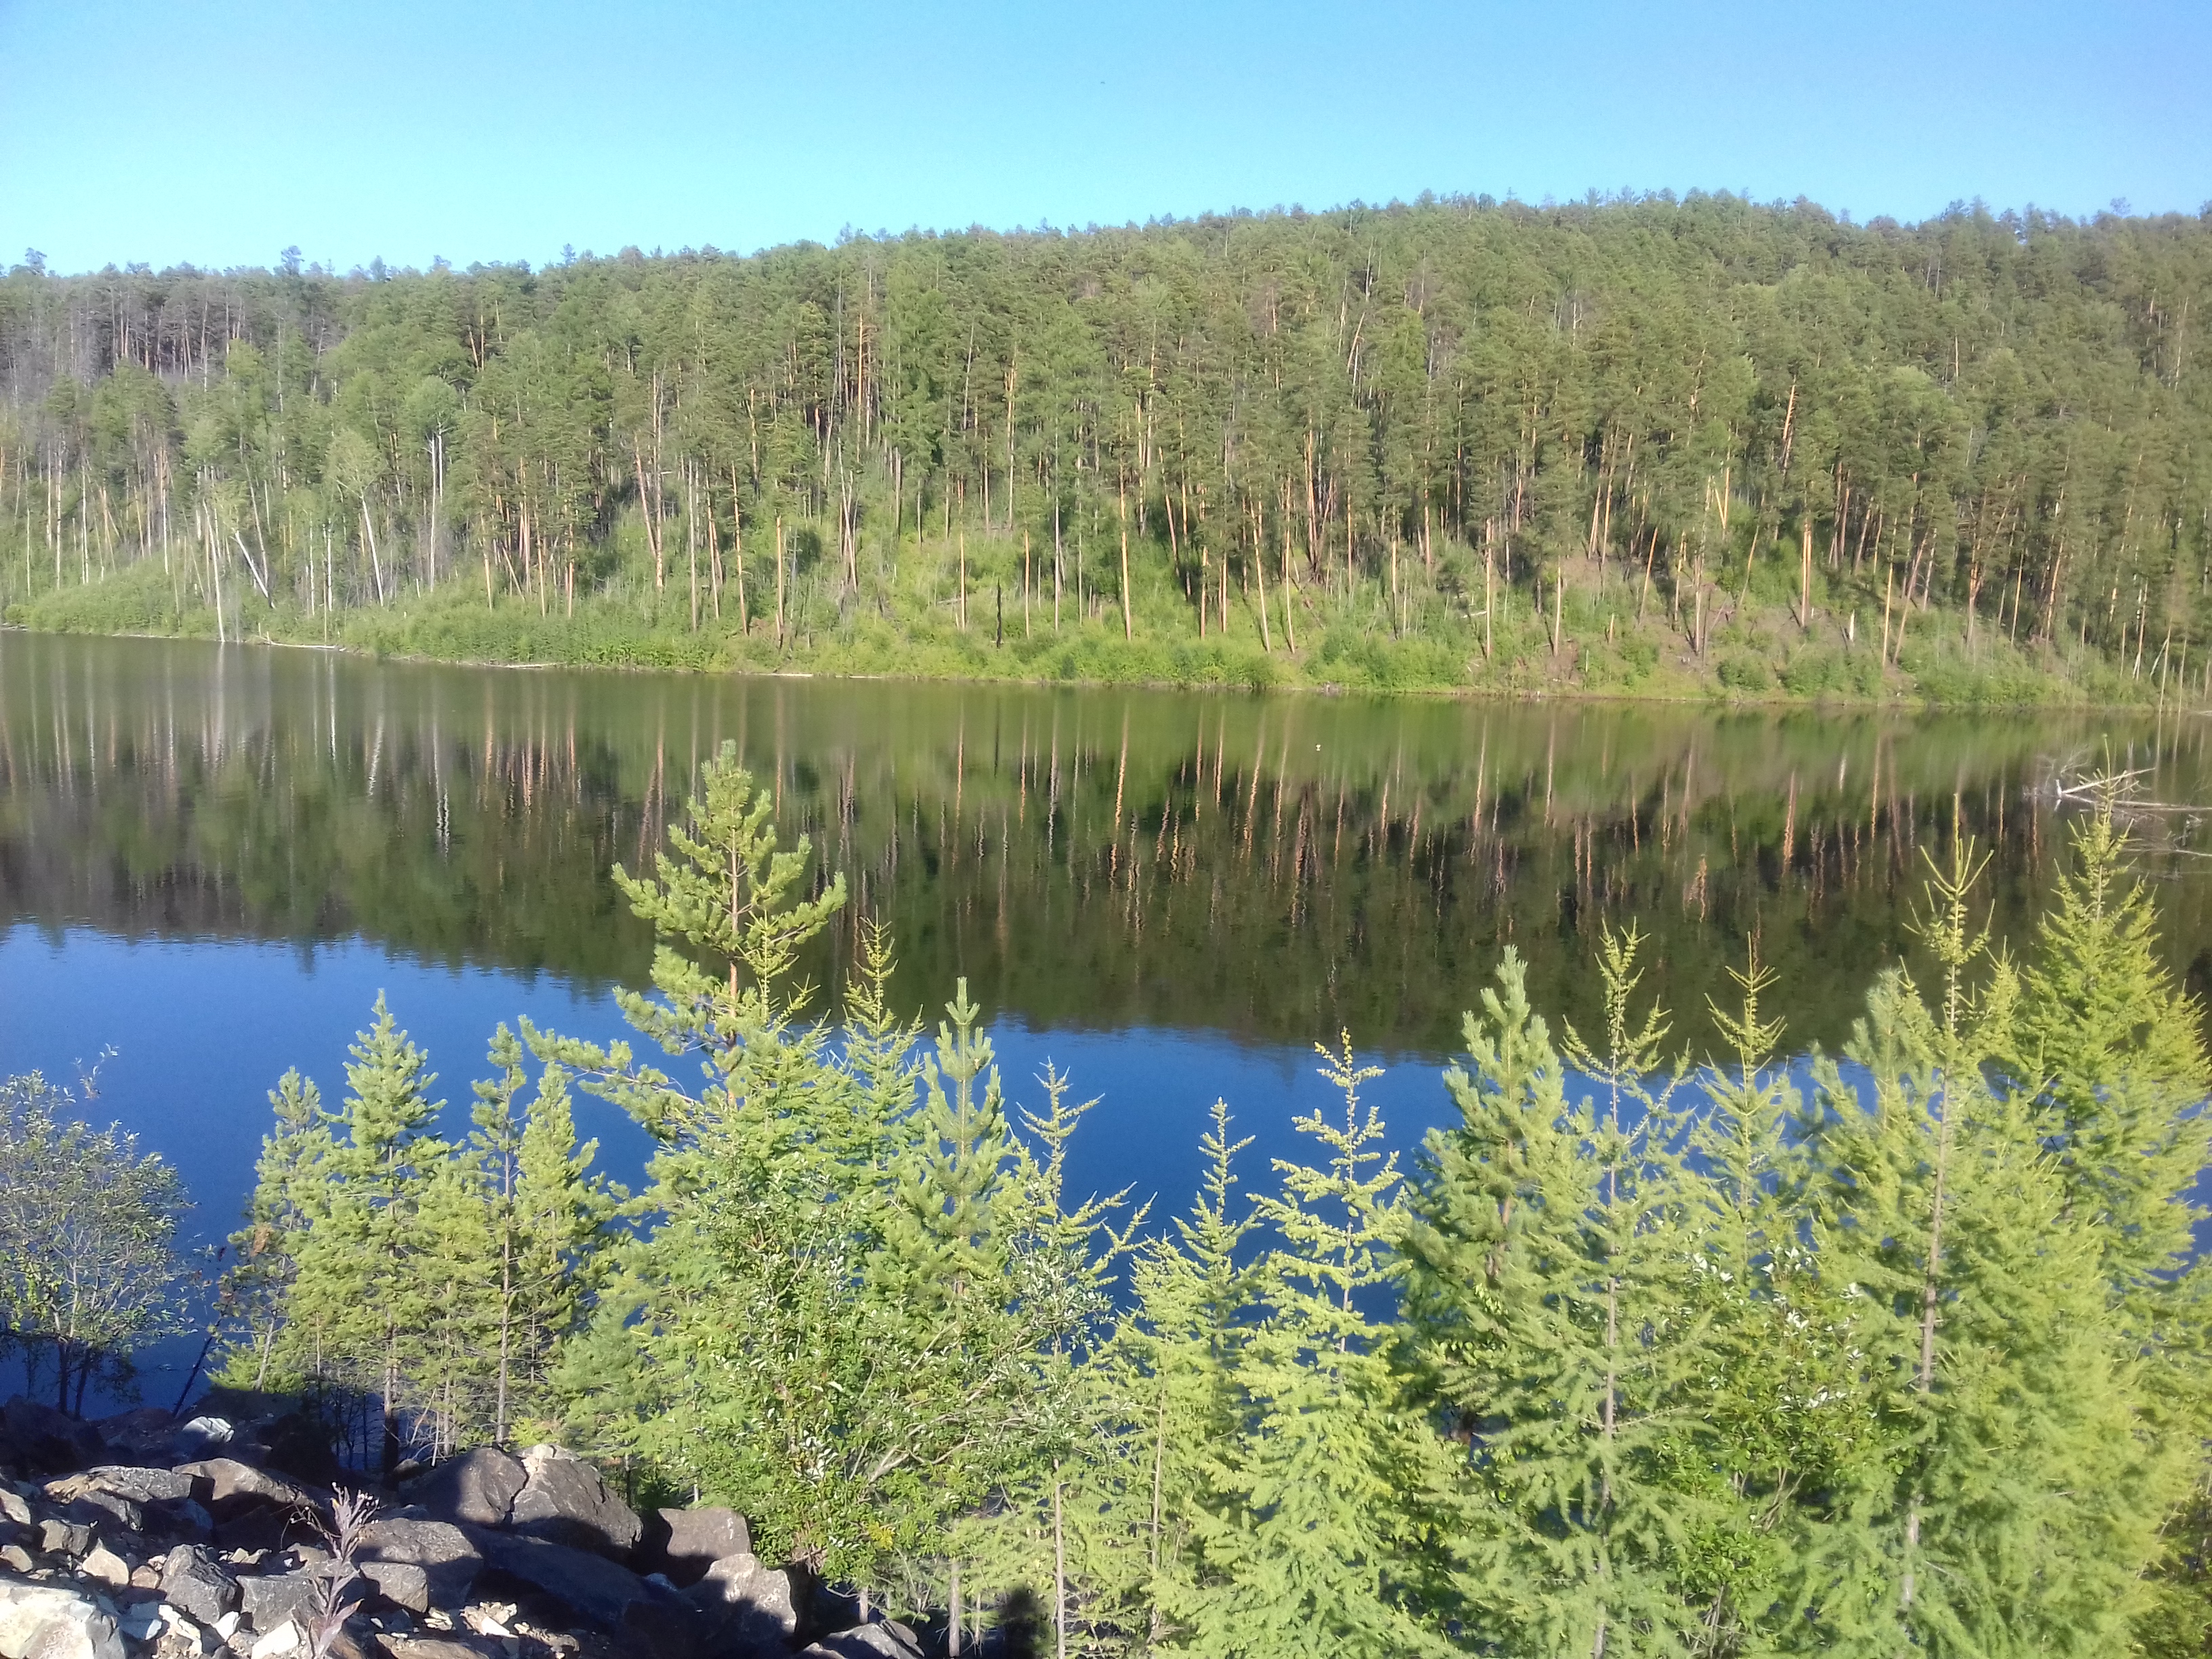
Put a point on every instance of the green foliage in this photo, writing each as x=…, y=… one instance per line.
x=1894, y=1351
x=88, y=1261
x=1303, y=1550
x=815, y=1206
x=441, y=1279
x=1743, y=672
x=1170, y=453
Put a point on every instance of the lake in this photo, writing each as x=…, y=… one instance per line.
x=212, y=859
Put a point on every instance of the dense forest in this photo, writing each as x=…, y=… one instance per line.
x=1653, y=444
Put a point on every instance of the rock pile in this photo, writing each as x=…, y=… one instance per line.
x=215, y=1537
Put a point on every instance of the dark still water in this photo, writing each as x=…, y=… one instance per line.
x=211, y=860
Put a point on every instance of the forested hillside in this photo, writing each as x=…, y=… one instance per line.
x=1642, y=445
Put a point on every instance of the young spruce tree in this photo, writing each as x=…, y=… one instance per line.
x=1304, y=1546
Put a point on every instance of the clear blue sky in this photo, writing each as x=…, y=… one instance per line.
x=220, y=131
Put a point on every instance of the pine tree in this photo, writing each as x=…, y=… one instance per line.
x=495, y=1149
x=809, y=1217
x=2006, y=1516
x=1304, y=1557
x=357, y=1296
x=949, y=1236
x=554, y=1255
x=1177, y=1359
x=290, y=1192
x=1549, y=1322
x=455, y=1266
x=1066, y=1509
x=1781, y=1403
x=2113, y=1054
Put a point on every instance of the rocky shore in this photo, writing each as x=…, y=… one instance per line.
x=231, y=1532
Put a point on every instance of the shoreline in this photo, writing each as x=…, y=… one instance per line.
x=1823, y=703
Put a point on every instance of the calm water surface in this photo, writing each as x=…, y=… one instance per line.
x=211, y=860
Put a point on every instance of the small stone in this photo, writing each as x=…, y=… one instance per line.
x=180, y=1637
x=16, y=1556
x=226, y=1626
x=284, y=1639
x=105, y=1564
x=13, y=1508
x=140, y=1620
x=69, y=1538
x=146, y=1575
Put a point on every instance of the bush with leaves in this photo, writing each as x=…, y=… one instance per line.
x=89, y=1266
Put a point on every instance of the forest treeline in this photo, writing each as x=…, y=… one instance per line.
x=1640, y=444
x=1895, y=1349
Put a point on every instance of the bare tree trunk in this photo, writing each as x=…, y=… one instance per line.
x=1059, y=1574
x=1128, y=629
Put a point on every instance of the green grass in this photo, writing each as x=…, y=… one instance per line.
x=911, y=633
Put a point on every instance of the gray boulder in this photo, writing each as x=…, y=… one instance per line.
x=60, y=1536
x=747, y=1607
x=179, y=1521
x=477, y=1488
x=231, y=1489
x=683, y=1544
x=267, y=1599
x=195, y=1584
x=636, y=1612
x=143, y=1436
x=48, y=1621
x=104, y=1510
x=203, y=1437
x=450, y=1562
x=402, y=1583
x=132, y=1485
x=563, y=1500
x=886, y=1639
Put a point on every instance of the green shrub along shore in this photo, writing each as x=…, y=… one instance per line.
x=1900, y=1351
x=1767, y=659
x=1645, y=447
